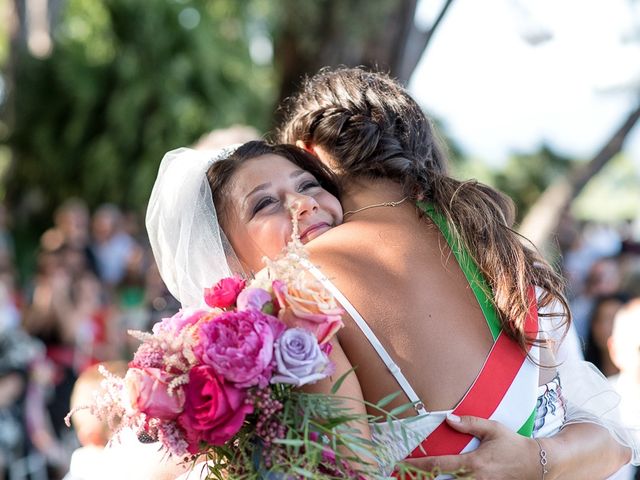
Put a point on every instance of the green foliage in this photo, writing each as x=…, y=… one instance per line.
x=612, y=196
x=4, y=34
x=526, y=176
x=321, y=441
x=127, y=81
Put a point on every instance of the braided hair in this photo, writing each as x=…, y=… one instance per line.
x=372, y=128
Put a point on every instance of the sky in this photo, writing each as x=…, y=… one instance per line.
x=571, y=85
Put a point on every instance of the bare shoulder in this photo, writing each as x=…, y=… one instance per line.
x=343, y=236
x=340, y=248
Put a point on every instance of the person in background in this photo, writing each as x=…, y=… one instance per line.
x=601, y=325
x=624, y=349
x=18, y=353
x=603, y=278
x=94, y=460
x=111, y=245
x=70, y=230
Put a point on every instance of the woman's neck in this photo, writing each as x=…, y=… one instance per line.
x=364, y=192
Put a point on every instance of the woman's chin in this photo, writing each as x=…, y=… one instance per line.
x=315, y=233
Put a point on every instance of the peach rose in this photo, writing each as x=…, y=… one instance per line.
x=310, y=307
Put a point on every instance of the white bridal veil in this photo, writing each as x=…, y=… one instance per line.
x=190, y=248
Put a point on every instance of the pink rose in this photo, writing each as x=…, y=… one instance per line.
x=213, y=410
x=224, y=293
x=255, y=298
x=147, y=390
x=311, y=307
x=174, y=325
x=239, y=346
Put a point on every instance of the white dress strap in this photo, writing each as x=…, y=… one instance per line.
x=377, y=345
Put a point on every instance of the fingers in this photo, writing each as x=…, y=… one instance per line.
x=476, y=426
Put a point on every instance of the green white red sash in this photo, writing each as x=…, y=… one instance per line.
x=506, y=387
x=505, y=390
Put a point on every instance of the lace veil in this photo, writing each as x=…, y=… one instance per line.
x=190, y=248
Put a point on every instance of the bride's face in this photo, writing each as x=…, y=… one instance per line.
x=264, y=194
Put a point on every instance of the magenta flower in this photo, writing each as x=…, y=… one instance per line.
x=224, y=293
x=213, y=411
x=239, y=346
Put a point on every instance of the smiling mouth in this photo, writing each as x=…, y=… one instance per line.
x=304, y=236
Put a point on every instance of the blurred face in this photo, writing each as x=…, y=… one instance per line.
x=602, y=323
x=74, y=224
x=104, y=225
x=625, y=341
x=265, y=193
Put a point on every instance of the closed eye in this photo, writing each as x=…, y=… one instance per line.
x=308, y=184
x=262, y=204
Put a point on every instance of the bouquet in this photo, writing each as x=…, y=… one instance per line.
x=220, y=383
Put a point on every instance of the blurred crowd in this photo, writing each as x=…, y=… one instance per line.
x=601, y=265
x=95, y=278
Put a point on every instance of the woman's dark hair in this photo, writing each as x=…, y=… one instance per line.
x=372, y=128
x=221, y=172
x=592, y=351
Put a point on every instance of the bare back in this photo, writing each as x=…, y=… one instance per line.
x=397, y=270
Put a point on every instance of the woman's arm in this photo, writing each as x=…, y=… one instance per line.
x=578, y=451
x=350, y=389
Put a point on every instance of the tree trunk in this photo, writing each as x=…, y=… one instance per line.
x=378, y=34
x=416, y=44
x=544, y=217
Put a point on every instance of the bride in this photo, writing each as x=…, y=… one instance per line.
x=434, y=277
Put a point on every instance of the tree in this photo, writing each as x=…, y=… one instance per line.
x=526, y=176
x=545, y=215
x=374, y=33
x=126, y=82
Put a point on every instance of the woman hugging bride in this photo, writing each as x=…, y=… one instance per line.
x=444, y=301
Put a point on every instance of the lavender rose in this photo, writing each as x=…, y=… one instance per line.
x=299, y=359
x=256, y=298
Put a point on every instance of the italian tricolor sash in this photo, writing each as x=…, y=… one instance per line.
x=505, y=390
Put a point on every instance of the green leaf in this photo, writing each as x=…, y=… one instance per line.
x=340, y=381
x=398, y=410
x=388, y=399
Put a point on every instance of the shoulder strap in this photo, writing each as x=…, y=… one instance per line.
x=362, y=324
